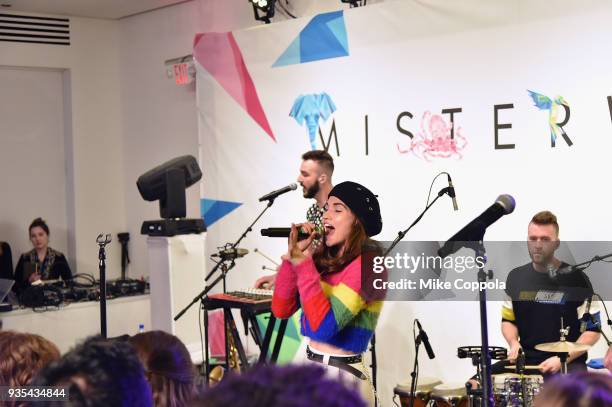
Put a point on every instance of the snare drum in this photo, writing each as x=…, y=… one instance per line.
x=508, y=389
x=422, y=393
x=450, y=395
x=522, y=391
x=500, y=396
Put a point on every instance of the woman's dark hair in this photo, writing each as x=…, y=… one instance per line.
x=168, y=367
x=99, y=372
x=39, y=222
x=333, y=259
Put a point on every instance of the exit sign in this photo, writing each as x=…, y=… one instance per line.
x=181, y=73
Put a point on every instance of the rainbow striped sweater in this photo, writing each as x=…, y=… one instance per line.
x=334, y=308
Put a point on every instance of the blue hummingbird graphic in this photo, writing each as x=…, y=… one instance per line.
x=543, y=102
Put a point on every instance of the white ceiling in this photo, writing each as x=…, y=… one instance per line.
x=109, y=9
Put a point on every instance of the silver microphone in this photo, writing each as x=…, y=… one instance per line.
x=272, y=195
x=586, y=318
x=555, y=272
x=552, y=271
x=231, y=253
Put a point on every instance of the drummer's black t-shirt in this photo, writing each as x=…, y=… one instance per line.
x=539, y=302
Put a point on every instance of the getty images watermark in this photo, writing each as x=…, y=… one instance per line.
x=415, y=271
x=411, y=264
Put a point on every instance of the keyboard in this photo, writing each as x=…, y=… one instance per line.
x=252, y=298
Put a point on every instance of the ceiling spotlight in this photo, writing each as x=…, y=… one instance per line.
x=355, y=3
x=263, y=9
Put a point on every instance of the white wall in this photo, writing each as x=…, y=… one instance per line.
x=92, y=124
x=37, y=186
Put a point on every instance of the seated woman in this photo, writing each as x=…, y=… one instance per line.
x=339, y=311
x=42, y=262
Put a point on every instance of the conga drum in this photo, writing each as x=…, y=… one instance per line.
x=450, y=395
x=422, y=393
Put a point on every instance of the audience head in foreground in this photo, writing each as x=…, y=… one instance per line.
x=281, y=386
x=22, y=355
x=100, y=372
x=577, y=390
x=168, y=367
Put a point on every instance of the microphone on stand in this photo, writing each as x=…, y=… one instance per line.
x=555, y=272
x=586, y=318
x=451, y=192
x=475, y=230
x=552, y=271
x=425, y=340
x=272, y=195
x=229, y=254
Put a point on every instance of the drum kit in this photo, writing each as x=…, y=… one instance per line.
x=516, y=388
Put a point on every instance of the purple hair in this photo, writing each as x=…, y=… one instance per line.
x=275, y=386
x=583, y=389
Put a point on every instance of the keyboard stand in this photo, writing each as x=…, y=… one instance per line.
x=279, y=339
x=249, y=312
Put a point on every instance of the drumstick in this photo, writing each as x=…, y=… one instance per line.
x=512, y=367
x=256, y=250
x=526, y=367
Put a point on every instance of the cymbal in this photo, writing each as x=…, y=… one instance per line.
x=562, y=347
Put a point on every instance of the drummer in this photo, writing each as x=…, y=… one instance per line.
x=537, y=301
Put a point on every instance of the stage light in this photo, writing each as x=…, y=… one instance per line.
x=167, y=183
x=355, y=3
x=263, y=9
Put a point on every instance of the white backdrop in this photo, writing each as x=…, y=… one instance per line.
x=400, y=59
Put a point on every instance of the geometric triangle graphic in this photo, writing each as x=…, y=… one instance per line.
x=323, y=37
x=212, y=210
x=220, y=56
x=291, y=56
x=291, y=340
x=337, y=27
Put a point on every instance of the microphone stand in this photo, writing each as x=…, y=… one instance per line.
x=485, y=359
x=417, y=343
x=248, y=229
x=414, y=375
x=102, y=242
x=207, y=289
x=587, y=314
x=588, y=262
x=401, y=234
x=588, y=317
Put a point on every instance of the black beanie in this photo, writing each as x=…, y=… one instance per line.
x=362, y=202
